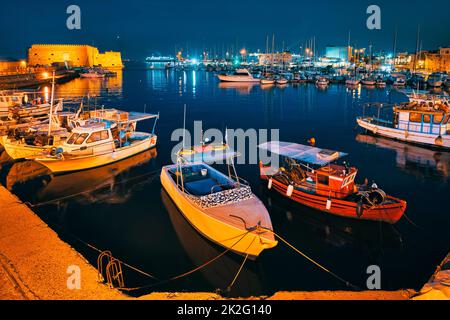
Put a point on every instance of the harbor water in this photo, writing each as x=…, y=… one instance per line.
x=122, y=207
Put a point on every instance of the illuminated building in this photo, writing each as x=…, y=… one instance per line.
x=73, y=55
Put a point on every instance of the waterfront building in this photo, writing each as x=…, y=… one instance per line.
x=338, y=52
x=275, y=58
x=12, y=66
x=425, y=61
x=73, y=55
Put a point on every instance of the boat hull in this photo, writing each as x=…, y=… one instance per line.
x=238, y=240
x=92, y=161
x=22, y=151
x=225, y=78
x=390, y=213
x=407, y=136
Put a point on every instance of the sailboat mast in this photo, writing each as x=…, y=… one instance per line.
x=417, y=48
x=51, y=105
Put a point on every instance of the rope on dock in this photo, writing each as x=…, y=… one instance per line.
x=347, y=283
x=240, y=268
x=191, y=271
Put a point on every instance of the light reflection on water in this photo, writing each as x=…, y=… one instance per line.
x=122, y=208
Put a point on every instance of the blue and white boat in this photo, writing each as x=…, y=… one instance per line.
x=425, y=123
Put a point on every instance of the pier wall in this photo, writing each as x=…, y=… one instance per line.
x=74, y=55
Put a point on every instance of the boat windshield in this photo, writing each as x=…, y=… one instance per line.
x=77, y=138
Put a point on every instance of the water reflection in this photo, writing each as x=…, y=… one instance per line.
x=105, y=184
x=416, y=160
x=95, y=87
x=221, y=272
x=243, y=88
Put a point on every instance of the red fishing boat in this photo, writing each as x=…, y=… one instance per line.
x=311, y=176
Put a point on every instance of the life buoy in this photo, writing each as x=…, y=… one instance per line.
x=439, y=141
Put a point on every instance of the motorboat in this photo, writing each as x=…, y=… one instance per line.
x=435, y=80
x=92, y=74
x=368, y=82
x=267, y=81
x=241, y=75
x=221, y=207
x=281, y=81
x=312, y=177
x=322, y=82
x=100, y=143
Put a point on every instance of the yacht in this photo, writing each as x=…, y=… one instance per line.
x=241, y=75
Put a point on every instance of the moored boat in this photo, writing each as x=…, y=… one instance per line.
x=425, y=122
x=311, y=176
x=322, y=82
x=99, y=143
x=241, y=75
x=221, y=207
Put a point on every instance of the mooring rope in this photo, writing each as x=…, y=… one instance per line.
x=191, y=271
x=347, y=283
x=240, y=268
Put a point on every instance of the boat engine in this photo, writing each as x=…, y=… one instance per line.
x=373, y=197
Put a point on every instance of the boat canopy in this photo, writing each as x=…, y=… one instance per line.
x=303, y=153
x=207, y=154
x=140, y=116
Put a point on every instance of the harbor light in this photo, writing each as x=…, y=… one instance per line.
x=45, y=75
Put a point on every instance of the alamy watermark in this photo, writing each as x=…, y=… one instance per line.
x=374, y=280
x=244, y=142
x=374, y=20
x=73, y=21
x=74, y=279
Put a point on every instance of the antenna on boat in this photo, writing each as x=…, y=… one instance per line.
x=51, y=104
x=184, y=126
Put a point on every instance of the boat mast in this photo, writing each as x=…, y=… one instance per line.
x=51, y=105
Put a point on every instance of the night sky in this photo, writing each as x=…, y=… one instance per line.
x=139, y=28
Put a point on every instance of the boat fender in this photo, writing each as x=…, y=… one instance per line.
x=375, y=130
x=439, y=141
x=290, y=190
x=269, y=184
x=359, y=209
x=328, y=206
x=406, y=133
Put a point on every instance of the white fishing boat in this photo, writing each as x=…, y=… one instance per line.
x=241, y=75
x=424, y=123
x=380, y=83
x=9, y=100
x=221, y=207
x=435, y=80
x=39, y=138
x=267, y=81
x=100, y=143
x=92, y=74
x=368, y=82
x=399, y=81
x=322, y=82
x=352, y=82
x=282, y=81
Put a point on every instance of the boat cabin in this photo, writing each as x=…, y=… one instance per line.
x=422, y=117
x=99, y=135
x=313, y=169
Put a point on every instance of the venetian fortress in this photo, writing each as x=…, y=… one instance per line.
x=73, y=55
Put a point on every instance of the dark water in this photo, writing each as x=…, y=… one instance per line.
x=122, y=207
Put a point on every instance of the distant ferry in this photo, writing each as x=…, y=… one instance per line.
x=241, y=75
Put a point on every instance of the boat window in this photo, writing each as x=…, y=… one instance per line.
x=323, y=179
x=438, y=118
x=426, y=118
x=98, y=136
x=446, y=119
x=81, y=138
x=415, y=117
x=104, y=135
x=72, y=138
x=1, y=100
